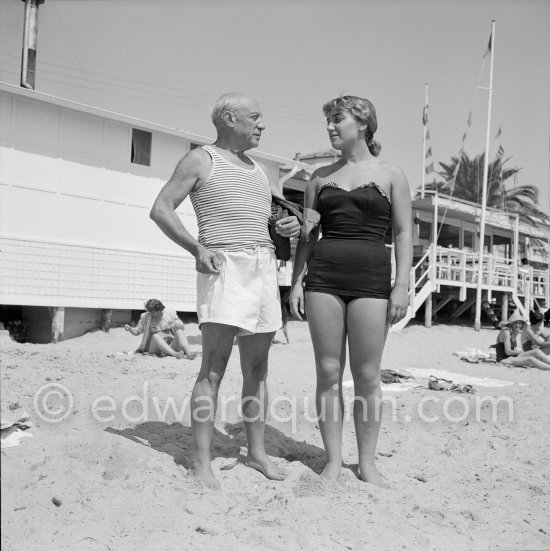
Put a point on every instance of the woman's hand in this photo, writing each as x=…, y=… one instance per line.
x=397, y=304
x=296, y=301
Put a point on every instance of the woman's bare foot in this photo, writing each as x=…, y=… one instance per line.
x=332, y=470
x=203, y=473
x=179, y=355
x=266, y=467
x=369, y=473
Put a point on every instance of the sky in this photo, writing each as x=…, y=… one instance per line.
x=167, y=61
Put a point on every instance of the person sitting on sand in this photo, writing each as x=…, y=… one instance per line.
x=534, y=336
x=163, y=332
x=508, y=351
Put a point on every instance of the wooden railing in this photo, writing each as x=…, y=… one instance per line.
x=460, y=267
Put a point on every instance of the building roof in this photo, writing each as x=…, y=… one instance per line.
x=323, y=154
x=141, y=123
x=493, y=217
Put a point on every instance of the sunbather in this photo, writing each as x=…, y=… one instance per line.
x=508, y=351
x=163, y=332
x=534, y=336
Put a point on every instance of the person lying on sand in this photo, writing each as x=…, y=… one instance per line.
x=163, y=332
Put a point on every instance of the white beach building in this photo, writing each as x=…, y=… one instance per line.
x=76, y=187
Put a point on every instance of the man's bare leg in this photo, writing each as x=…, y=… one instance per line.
x=217, y=343
x=254, y=351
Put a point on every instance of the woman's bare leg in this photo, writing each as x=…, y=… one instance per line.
x=367, y=330
x=160, y=346
x=538, y=354
x=526, y=361
x=180, y=342
x=326, y=319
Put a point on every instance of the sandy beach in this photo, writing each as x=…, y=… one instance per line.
x=464, y=473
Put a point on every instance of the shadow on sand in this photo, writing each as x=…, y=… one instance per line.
x=176, y=440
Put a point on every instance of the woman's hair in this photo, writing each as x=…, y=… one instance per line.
x=535, y=317
x=363, y=110
x=154, y=304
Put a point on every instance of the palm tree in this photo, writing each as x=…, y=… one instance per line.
x=469, y=183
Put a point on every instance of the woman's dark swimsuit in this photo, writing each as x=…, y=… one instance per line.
x=351, y=259
x=501, y=350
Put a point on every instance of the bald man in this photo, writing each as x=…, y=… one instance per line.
x=237, y=291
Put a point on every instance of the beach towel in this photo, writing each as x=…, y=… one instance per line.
x=477, y=355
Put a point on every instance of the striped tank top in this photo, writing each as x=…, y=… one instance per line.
x=233, y=206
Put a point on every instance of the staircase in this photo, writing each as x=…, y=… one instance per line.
x=420, y=287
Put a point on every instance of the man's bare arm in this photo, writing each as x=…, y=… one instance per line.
x=190, y=173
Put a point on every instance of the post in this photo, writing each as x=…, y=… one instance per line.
x=106, y=316
x=515, y=263
x=58, y=323
x=477, y=323
x=504, y=311
x=434, y=241
x=30, y=33
x=428, y=311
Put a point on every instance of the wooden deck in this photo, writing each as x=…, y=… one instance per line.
x=443, y=270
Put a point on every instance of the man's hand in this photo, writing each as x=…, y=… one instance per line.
x=288, y=227
x=207, y=262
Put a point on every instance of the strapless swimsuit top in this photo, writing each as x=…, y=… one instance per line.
x=362, y=213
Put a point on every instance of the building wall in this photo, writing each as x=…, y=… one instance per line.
x=74, y=212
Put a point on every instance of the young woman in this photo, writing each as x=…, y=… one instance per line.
x=508, y=351
x=348, y=290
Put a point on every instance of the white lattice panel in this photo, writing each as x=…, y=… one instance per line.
x=58, y=274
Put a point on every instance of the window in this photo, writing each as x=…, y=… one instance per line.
x=468, y=240
x=141, y=147
x=424, y=230
x=502, y=246
x=449, y=236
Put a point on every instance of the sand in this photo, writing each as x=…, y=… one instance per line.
x=465, y=480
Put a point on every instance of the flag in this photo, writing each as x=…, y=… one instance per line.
x=428, y=161
x=489, y=46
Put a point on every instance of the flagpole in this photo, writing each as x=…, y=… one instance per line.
x=425, y=124
x=477, y=323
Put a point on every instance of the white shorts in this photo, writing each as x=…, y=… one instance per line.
x=245, y=294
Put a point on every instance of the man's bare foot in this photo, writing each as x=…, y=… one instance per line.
x=266, y=467
x=203, y=473
x=331, y=472
x=192, y=355
x=179, y=355
x=369, y=473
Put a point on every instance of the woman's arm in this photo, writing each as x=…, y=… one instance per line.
x=508, y=345
x=304, y=248
x=401, y=215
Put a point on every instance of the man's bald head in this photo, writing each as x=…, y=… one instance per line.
x=229, y=102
